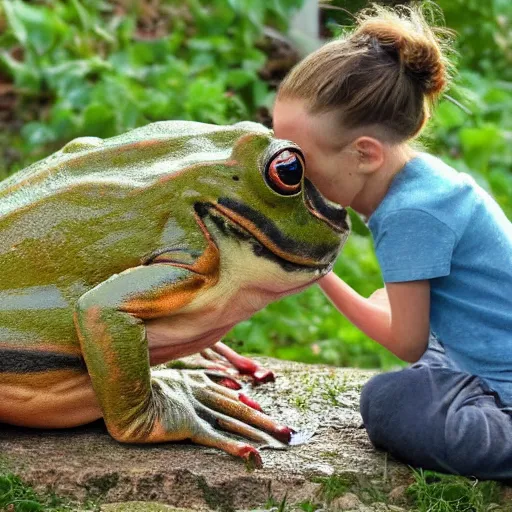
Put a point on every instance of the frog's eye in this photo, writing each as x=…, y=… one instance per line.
x=284, y=173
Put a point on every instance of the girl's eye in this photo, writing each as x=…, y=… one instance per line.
x=284, y=173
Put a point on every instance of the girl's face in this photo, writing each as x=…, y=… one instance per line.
x=331, y=159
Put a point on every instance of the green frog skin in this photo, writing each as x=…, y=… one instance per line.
x=120, y=254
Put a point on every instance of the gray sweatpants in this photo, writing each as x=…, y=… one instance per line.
x=433, y=416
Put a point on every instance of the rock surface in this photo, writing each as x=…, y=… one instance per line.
x=141, y=506
x=86, y=463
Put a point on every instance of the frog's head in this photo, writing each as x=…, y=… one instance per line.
x=265, y=215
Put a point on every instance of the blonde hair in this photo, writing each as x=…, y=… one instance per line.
x=388, y=71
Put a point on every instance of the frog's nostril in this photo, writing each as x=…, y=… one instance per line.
x=334, y=215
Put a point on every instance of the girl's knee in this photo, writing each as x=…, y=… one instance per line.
x=391, y=406
x=377, y=404
x=371, y=399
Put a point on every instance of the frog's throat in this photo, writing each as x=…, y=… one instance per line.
x=250, y=223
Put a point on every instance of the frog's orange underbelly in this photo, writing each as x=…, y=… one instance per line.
x=56, y=399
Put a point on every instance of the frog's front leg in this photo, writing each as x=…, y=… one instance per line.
x=140, y=408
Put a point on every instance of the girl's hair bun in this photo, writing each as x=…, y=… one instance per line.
x=406, y=36
x=387, y=73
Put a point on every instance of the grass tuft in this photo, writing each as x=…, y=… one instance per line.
x=17, y=496
x=436, y=492
x=333, y=486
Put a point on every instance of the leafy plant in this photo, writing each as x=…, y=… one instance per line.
x=101, y=68
x=333, y=486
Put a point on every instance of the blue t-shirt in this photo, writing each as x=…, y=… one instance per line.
x=438, y=224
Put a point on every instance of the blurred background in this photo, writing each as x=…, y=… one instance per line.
x=100, y=68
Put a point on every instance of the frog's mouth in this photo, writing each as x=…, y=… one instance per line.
x=237, y=219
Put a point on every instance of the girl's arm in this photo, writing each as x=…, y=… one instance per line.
x=397, y=317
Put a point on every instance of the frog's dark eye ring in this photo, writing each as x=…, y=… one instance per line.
x=284, y=172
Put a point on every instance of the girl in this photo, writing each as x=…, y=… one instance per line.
x=443, y=244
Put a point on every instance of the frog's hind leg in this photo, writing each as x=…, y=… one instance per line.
x=205, y=360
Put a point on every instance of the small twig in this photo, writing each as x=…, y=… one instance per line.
x=458, y=104
x=326, y=6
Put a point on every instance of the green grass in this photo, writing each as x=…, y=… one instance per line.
x=430, y=492
x=17, y=496
x=333, y=389
x=435, y=492
x=333, y=486
x=328, y=387
x=277, y=506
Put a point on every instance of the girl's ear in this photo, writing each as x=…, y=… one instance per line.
x=370, y=154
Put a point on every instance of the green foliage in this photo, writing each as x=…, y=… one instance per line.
x=430, y=492
x=91, y=68
x=333, y=486
x=479, y=141
x=484, y=33
x=276, y=506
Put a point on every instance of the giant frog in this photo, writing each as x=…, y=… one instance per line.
x=120, y=254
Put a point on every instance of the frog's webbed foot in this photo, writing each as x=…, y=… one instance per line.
x=194, y=407
x=221, y=358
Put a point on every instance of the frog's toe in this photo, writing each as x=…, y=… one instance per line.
x=228, y=364
x=199, y=362
x=210, y=437
x=250, y=402
x=244, y=365
x=226, y=386
x=230, y=383
x=251, y=456
x=237, y=409
x=242, y=429
x=223, y=380
x=231, y=393
x=212, y=355
x=263, y=375
x=219, y=420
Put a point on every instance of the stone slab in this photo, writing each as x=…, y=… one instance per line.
x=322, y=401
